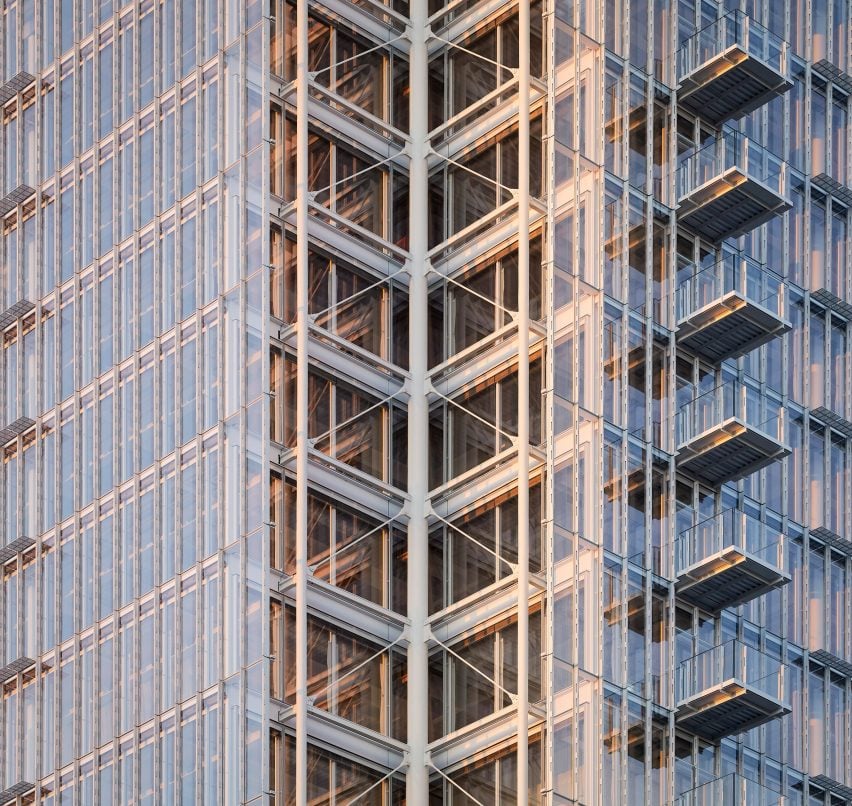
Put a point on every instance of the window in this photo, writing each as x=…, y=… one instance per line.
x=348, y=675
x=346, y=424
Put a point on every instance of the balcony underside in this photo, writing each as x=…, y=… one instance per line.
x=15, y=429
x=729, y=327
x=729, y=451
x=727, y=709
x=14, y=548
x=15, y=312
x=16, y=791
x=835, y=787
x=730, y=85
x=728, y=205
x=728, y=578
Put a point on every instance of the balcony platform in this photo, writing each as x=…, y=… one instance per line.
x=830, y=660
x=730, y=204
x=730, y=85
x=18, y=196
x=833, y=539
x=16, y=791
x=729, y=327
x=15, y=312
x=727, y=709
x=15, y=429
x=15, y=667
x=833, y=420
x=832, y=187
x=728, y=451
x=13, y=549
x=16, y=84
x=728, y=578
x=835, y=787
x=833, y=303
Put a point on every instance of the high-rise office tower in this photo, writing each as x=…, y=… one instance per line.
x=425, y=401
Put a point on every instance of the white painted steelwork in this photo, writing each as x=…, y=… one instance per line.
x=417, y=779
x=302, y=323
x=523, y=700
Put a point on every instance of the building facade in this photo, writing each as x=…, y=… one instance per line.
x=425, y=401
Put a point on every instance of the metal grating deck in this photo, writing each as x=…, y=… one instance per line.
x=18, y=196
x=731, y=450
x=17, y=83
x=833, y=539
x=18, y=665
x=729, y=327
x=727, y=579
x=15, y=312
x=15, y=791
x=14, y=548
x=729, y=205
x=726, y=710
x=729, y=86
x=15, y=429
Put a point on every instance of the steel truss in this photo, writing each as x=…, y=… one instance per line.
x=419, y=268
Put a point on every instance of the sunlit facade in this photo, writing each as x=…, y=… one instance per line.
x=425, y=402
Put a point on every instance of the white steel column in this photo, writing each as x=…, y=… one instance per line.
x=301, y=402
x=523, y=397
x=548, y=179
x=417, y=780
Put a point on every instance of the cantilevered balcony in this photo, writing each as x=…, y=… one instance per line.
x=15, y=429
x=729, y=187
x=17, y=790
x=13, y=313
x=728, y=433
x=14, y=548
x=731, y=790
x=17, y=83
x=730, y=68
x=727, y=560
x=728, y=689
x=730, y=308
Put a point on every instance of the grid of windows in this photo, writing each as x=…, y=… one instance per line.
x=653, y=265
x=133, y=492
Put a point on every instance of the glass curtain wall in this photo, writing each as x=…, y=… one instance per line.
x=158, y=496
x=134, y=547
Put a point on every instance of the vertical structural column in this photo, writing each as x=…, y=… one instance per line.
x=523, y=397
x=301, y=402
x=417, y=782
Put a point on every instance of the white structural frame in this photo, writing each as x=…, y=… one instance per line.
x=413, y=266
x=523, y=703
x=417, y=778
x=302, y=401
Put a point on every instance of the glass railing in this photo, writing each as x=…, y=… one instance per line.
x=734, y=29
x=731, y=790
x=732, y=660
x=728, y=400
x=731, y=528
x=738, y=273
x=731, y=149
